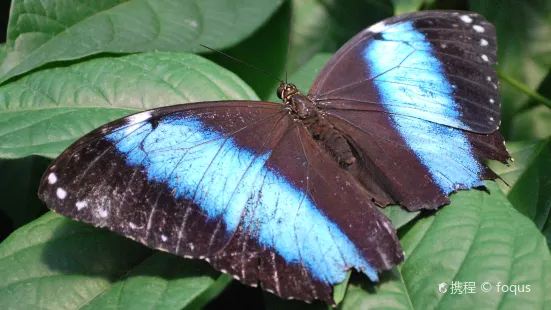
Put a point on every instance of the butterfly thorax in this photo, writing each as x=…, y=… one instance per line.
x=305, y=111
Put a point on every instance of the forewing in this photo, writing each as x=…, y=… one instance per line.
x=432, y=65
x=239, y=184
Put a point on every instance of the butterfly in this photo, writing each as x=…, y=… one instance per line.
x=287, y=196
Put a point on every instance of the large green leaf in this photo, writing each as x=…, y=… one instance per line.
x=325, y=25
x=44, y=112
x=522, y=153
x=56, y=263
x=40, y=32
x=524, y=49
x=265, y=49
x=477, y=238
x=531, y=194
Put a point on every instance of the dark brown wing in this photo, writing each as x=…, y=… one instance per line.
x=417, y=97
x=239, y=184
x=431, y=65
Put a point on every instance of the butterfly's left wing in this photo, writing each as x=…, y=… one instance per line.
x=239, y=184
x=417, y=97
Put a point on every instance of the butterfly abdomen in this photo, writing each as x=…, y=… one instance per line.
x=333, y=141
x=321, y=129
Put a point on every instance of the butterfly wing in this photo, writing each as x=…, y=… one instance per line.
x=239, y=184
x=417, y=97
x=431, y=65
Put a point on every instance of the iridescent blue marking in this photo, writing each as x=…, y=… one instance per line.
x=200, y=164
x=413, y=86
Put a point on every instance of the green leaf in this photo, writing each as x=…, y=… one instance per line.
x=533, y=118
x=304, y=77
x=532, y=124
x=398, y=216
x=389, y=293
x=19, y=185
x=406, y=6
x=44, y=112
x=531, y=194
x=522, y=153
x=212, y=292
x=42, y=32
x=56, y=263
x=324, y=26
x=339, y=290
x=477, y=238
x=524, y=48
x=2, y=53
x=265, y=49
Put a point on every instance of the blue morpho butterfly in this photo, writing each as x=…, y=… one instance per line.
x=287, y=196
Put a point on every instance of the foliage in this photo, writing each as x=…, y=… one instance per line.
x=68, y=67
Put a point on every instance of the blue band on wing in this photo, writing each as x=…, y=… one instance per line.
x=229, y=182
x=410, y=81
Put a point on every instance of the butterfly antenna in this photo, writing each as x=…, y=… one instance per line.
x=289, y=42
x=241, y=61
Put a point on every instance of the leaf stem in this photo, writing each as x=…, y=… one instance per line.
x=523, y=88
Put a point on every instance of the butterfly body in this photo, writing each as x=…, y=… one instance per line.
x=305, y=111
x=287, y=196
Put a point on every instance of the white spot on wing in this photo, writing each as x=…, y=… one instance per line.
x=484, y=57
x=492, y=100
x=52, y=178
x=478, y=28
x=81, y=204
x=483, y=42
x=491, y=119
x=466, y=19
x=388, y=228
x=135, y=120
x=103, y=213
x=140, y=117
x=489, y=78
x=132, y=225
x=61, y=193
x=443, y=45
x=164, y=238
x=378, y=27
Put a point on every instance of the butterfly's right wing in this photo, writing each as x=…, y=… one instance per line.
x=239, y=184
x=416, y=95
